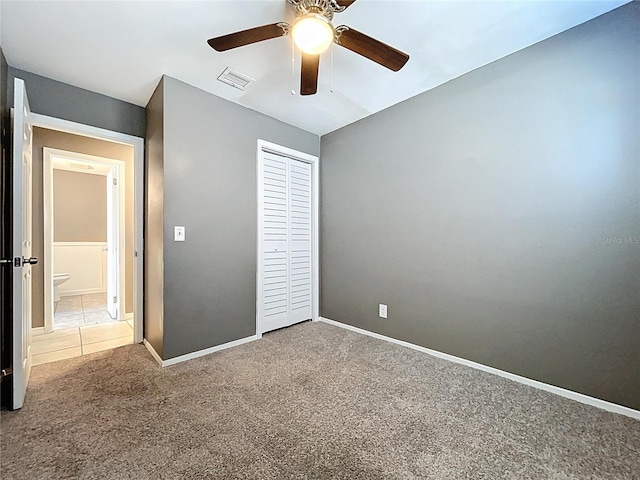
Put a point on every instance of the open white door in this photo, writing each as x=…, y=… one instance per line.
x=22, y=135
x=113, y=244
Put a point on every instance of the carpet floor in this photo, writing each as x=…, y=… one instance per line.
x=309, y=402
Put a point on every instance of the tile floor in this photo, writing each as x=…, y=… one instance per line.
x=77, y=341
x=81, y=310
x=82, y=326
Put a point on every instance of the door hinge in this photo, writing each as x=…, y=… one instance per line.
x=115, y=299
x=115, y=181
x=6, y=372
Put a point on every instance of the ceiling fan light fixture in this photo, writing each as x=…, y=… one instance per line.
x=312, y=33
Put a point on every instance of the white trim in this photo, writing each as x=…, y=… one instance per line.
x=315, y=239
x=578, y=397
x=207, y=351
x=138, y=154
x=199, y=353
x=49, y=157
x=52, y=123
x=314, y=161
x=153, y=352
x=37, y=331
x=83, y=291
x=128, y=316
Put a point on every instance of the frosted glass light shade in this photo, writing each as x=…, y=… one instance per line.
x=312, y=34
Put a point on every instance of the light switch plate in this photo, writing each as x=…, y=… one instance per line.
x=382, y=310
x=178, y=234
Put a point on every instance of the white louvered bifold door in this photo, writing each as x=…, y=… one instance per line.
x=300, y=240
x=286, y=278
x=275, y=227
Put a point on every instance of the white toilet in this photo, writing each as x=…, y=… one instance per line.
x=58, y=279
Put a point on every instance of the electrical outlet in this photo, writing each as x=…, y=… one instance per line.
x=382, y=310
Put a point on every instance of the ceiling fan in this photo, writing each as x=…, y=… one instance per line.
x=313, y=33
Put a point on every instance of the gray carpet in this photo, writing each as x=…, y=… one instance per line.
x=309, y=402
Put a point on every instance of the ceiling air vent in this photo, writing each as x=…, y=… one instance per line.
x=235, y=79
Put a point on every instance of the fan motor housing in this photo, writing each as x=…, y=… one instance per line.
x=326, y=8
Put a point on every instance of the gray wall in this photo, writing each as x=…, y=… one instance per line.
x=498, y=215
x=210, y=187
x=79, y=207
x=153, y=220
x=43, y=137
x=60, y=100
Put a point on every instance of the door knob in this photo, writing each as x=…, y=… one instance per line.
x=30, y=261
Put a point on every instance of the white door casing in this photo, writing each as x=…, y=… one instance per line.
x=137, y=143
x=287, y=276
x=22, y=221
x=53, y=159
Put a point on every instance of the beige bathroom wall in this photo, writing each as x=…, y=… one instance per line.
x=75, y=143
x=79, y=207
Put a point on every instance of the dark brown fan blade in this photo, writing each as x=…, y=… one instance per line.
x=373, y=49
x=246, y=37
x=345, y=3
x=309, y=74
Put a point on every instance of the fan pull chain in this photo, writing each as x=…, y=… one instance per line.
x=331, y=89
x=293, y=69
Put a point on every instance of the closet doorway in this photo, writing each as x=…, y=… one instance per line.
x=287, y=279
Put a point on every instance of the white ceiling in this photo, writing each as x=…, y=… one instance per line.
x=122, y=48
x=80, y=166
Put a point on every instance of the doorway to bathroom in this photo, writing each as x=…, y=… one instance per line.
x=87, y=231
x=84, y=241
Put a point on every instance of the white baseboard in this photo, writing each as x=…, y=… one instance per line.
x=153, y=352
x=85, y=291
x=37, y=331
x=199, y=353
x=578, y=397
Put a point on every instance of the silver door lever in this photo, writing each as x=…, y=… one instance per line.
x=30, y=260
